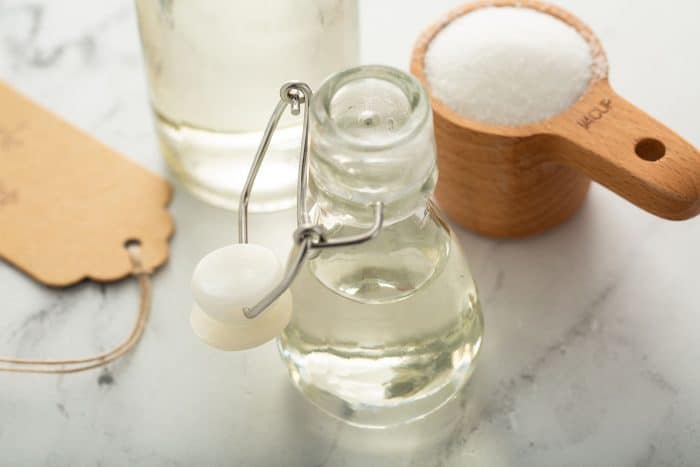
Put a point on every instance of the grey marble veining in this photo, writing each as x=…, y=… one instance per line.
x=589, y=357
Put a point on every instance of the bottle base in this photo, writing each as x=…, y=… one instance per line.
x=412, y=391
x=214, y=165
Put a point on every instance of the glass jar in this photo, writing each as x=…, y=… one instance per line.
x=214, y=68
x=385, y=331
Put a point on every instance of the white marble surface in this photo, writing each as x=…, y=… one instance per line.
x=590, y=355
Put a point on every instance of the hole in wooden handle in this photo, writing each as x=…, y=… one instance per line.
x=650, y=149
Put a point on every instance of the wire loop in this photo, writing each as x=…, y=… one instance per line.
x=307, y=236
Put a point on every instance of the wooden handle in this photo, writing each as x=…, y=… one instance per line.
x=626, y=150
x=623, y=148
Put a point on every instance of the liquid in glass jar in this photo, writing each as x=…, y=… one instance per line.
x=214, y=68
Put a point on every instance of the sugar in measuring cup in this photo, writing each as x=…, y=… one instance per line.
x=525, y=117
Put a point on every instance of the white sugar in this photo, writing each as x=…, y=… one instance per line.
x=508, y=65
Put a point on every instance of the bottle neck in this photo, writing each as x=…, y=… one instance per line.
x=330, y=209
x=371, y=140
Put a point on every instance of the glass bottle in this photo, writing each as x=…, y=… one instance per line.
x=214, y=68
x=385, y=331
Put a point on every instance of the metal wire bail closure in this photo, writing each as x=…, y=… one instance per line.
x=308, y=236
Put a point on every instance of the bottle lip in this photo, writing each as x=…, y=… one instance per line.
x=414, y=90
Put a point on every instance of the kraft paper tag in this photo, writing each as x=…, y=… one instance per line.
x=68, y=203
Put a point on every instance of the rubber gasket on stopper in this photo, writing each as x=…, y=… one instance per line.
x=227, y=336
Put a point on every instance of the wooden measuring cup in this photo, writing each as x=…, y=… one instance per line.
x=513, y=181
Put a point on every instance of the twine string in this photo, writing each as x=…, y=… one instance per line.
x=21, y=365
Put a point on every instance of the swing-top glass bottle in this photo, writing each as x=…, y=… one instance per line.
x=385, y=331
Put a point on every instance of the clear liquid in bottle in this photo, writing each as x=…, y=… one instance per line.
x=214, y=69
x=385, y=344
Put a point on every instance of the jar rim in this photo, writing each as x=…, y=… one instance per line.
x=414, y=91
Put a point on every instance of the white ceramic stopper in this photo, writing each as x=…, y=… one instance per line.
x=229, y=279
